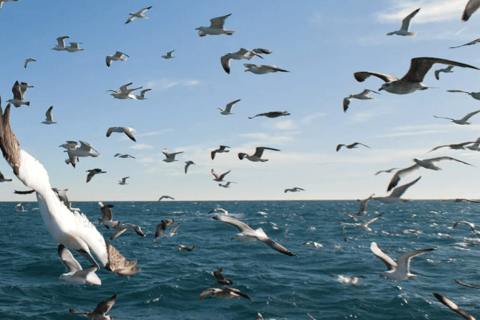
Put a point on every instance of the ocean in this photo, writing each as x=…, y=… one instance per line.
x=282, y=287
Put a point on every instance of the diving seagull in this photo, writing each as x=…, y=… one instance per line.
x=27, y=61
x=19, y=90
x=398, y=270
x=123, y=181
x=169, y=55
x=239, y=55
x=216, y=27
x=474, y=95
x=262, y=69
x=220, y=177
x=221, y=281
x=364, y=95
x=405, y=25
x=394, y=196
x=61, y=44
x=165, y=197
x=387, y=171
x=247, y=234
x=412, y=80
x=455, y=146
x=107, y=216
x=426, y=163
x=124, y=92
x=85, y=150
x=185, y=248
x=142, y=94
x=296, y=189
x=188, y=164
x=228, y=108
x=462, y=121
x=118, y=56
x=48, y=116
x=74, y=47
x=71, y=229
x=227, y=293
x=271, y=114
x=351, y=146
x=470, y=9
x=170, y=156
x=257, y=156
x=120, y=155
x=139, y=14
x=221, y=149
x=100, y=311
x=453, y=306
x=445, y=70
x=127, y=130
x=121, y=229
x=76, y=274
x=93, y=172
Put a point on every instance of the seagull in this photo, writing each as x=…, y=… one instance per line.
x=256, y=157
x=221, y=281
x=467, y=44
x=262, y=69
x=27, y=61
x=226, y=184
x=162, y=226
x=85, y=150
x=387, y=171
x=394, y=197
x=399, y=270
x=184, y=248
x=165, y=197
x=363, y=206
x=188, y=164
x=93, y=172
x=127, y=130
x=474, y=95
x=412, y=80
x=169, y=55
x=124, y=227
x=100, y=311
x=61, y=44
x=3, y=179
x=71, y=229
x=48, y=116
x=462, y=121
x=272, y=114
x=453, y=306
x=426, y=163
x=471, y=225
x=247, y=234
x=73, y=47
x=216, y=27
x=123, y=181
x=2, y=1
x=466, y=285
x=124, y=92
x=170, y=156
x=62, y=196
x=221, y=149
x=364, y=95
x=124, y=155
x=351, y=146
x=19, y=90
x=228, y=108
x=219, y=178
x=296, y=189
x=76, y=274
x=118, y=56
x=470, y=9
x=20, y=208
x=239, y=55
x=107, y=216
x=405, y=25
x=475, y=146
x=138, y=14
x=446, y=70
x=364, y=225
x=457, y=146
x=227, y=293
x=142, y=94
x=261, y=51
x=69, y=145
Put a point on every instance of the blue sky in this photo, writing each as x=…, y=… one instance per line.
x=321, y=43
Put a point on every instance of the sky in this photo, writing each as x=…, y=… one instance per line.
x=321, y=43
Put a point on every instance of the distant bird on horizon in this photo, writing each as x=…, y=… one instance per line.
x=74, y=47
x=453, y=306
x=228, y=108
x=221, y=149
x=169, y=55
x=120, y=155
x=123, y=181
x=139, y=14
x=48, y=116
x=405, y=25
x=216, y=27
x=26, y=60
x=464, y=120
x=351, y=146
x=364, y=95
x=455, y=146
x=100, y=312
x=127, y=130
x=296, y=189
x=470, y=9
x=239, y=55
x=256, y=157
x=219, y=178
x=61, y=44
x=118, y=56
x=188, y=164
x=445, y=70
x=170, y=156
x=271, y=114
x=75, y=274
x=394, y=196
x=165, y=197
x=93, y=172
x=262, y=69
x=227, y=293
x=142, y=94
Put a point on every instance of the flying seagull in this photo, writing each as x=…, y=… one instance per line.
x=93, y=172
x=296, y=189
x=127, y=130
x=239, y=55
x=169, y=55
x=262, y=69
x=24, y=192
x=62, y=196
x=71, y=229
x=19, y=90
x=394, y=196
x=221, y=149
x=475, y=146
x=124, y=92
x=351, y=146
x=48, y=116
x=387, y=171
x=474, y=95
x=453, y=306
x=219, y=178
x=364, y=95
x=398, y=270
x=405, y=25
x=27, y=61
x=119, y=230
x=221, y=281
x=123, y=181
x=76, y=274
x=162, y=226
x=85, y=150
x=364, y=225
x=412, y=80
x=142, y=94
x=100, y=311
x=445, y=70
x=120, y=155
x=247, y=234
x=471, y=225
x=107, y=216
x=426, y=163
x=470, y=9
x=188, y=164
x=256, y=157
x=361, y=210
x=138, y=14
x=271, y=114
x=74, y=47
x=228, y=108
x=185, y=248
x=118, y=56
x=170, y=156
x=227, y=293
x=165, y=197
x=462, y=121
x=455, y=146
x=216, y=27
x=61, y=44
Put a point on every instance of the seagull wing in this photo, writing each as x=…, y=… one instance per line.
x=224, y=174
x=400, y=174
x=144, y=10
x=218, y=274
x=445, y=145
x=160, y=229
x=48, y=115
x=406, y=21
x=130, y=19
x=420, y=66
x=242, y=227
x=276, y=246
x=467, y=44
x=172, y=231
x=166, y=153
x=274, y=68
x=214, y=174
x=447, y=158
x=124, y=88
x=86, y=146
x=470, y=9
x=236, y=291
x=107, y=212
x=466, y=285
x=105, y=306
x=61, y=41
x=453, y=306
x=362, y=75
x=68, y=260
x=346, y=103
x=207, y=292
x=117, y=232
x=230, y=105
x=437, y=73
x=398, y=191
x=218, y=22
x=471, y=114
x=90, y=175
x=458, y=91
x=358, y=143
x=382, y=256
x=364, y=203
x=404, y=260
x=17, y=91
x=259, y=151
x=225, y=60
x=129, y=134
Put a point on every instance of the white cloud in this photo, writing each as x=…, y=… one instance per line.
x=141, y=146
x=166, y=83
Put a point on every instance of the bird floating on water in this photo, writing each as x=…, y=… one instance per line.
x=216, y=27
x=405, y=25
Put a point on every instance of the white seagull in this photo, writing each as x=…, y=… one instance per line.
x=73, y=47
x=120, y=155
x=118, y=56
x=412, y=80
x=221, y=149
x=364, y=225
x=445, y=70
x=48, y=116
x=227, y=293
x=239, y=55
x=219, y=178
x=123, y=181
x=454, y=146
x=188, y=164
x=61, y=44
x=470, y=9
x=394, y=196
x=162, y=226
x=271, y=114
x=19, y=90
x=216, y=27
x=364, y=95
x=405, y=25
x=228, y=108
x=142, y=94
x=474, y=95
x=76, y=274
x=256, y=157
x=107, y=216
x=124, y=92
x=127, y=130
x=262, y=69
x=119, y=230
x=247, y=234
x=170, y=156
x=138, y=14
x=169, y=55
x=398, y=270
x=85, y=150
x=27, y=61
x=462, y=121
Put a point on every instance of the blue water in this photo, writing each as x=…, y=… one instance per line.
x=281, y=287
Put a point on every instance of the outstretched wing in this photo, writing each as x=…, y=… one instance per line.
x=218, y=22
x=105, y=306
x=420, y=66
x=362, y=75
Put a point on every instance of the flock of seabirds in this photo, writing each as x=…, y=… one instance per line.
x=73, y=231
